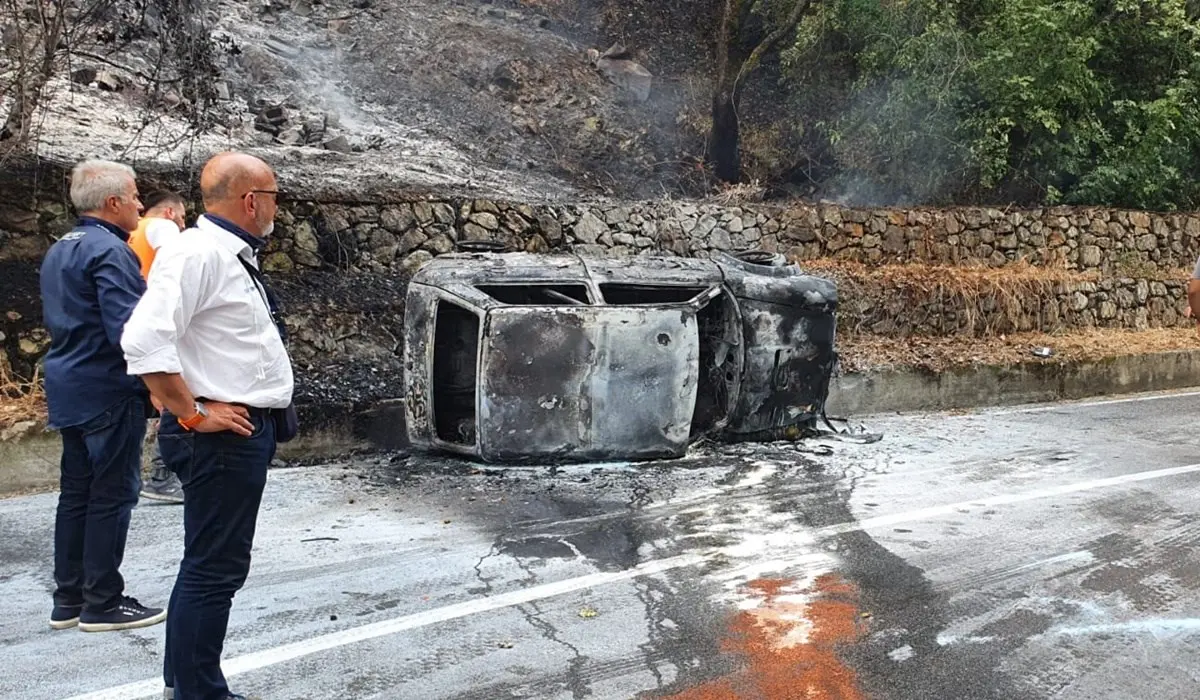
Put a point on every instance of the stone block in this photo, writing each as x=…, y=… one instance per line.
x=305, y=237
x=720, y=240
x=398, y=218
x=278, y=262
x=415, y=261
x=485, y=219
x=411, y=240
x=589, y=229
x=550, y=228
x=444, y=213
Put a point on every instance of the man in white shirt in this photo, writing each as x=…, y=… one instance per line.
x=204, y=340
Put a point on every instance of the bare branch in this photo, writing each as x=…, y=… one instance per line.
x=772, y=39
x=127, y=69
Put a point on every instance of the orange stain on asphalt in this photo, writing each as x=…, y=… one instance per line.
x=789, y=644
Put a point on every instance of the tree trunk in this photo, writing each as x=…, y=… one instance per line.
x=31, y=81
x=733, y=63
x=724, y=151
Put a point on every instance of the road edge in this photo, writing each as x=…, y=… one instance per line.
x=29, y=461
x=908, y=390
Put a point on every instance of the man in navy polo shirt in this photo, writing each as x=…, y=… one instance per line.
x=90, y=284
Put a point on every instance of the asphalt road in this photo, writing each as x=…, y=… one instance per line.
x=1029, y=553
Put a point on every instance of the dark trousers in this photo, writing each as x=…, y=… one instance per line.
x=100, y=476
x=223, y=476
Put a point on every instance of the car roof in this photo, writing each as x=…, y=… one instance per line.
x=516, y=268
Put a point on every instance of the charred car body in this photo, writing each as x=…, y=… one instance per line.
x=513, y=357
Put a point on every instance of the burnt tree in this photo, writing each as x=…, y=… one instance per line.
x=31, y=36
x=44, y=40
x=737, y=54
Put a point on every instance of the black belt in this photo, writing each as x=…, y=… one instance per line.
x=252, y=410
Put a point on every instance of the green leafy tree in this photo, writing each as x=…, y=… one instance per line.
x=1082, y=101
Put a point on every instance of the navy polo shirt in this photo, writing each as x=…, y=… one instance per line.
x=90, y=283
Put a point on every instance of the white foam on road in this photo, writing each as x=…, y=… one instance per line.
x=288, y=652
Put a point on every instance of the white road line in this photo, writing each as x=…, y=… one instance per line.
x=287, y=652
x=1044, y=408
x=295, y=650
x=1009, y=499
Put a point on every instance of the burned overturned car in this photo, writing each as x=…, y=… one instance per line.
x=514, y=357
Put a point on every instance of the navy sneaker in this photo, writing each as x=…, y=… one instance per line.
x=163, y=486
x=126, y=615
x=65, y=616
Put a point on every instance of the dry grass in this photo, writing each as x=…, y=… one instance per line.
x=740, y=193
x=20, y=400
x=862, y=352
x=987, y=300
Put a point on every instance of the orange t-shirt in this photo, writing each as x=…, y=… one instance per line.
x=148, y=237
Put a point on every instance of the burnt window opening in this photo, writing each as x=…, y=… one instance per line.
x=455, y=373
x=630, y=294
x=537, y=294
x=718, y=365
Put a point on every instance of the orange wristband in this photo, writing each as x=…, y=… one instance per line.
x=197, y=419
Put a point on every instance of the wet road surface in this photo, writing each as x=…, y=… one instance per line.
x=1027, y=553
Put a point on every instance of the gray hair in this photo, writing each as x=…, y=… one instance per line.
x=94, y=181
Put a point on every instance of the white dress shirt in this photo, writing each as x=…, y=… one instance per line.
x=159, y=231
x=204, y=317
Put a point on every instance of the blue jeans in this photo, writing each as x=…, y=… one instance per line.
x=223, y=475
x=100, y=476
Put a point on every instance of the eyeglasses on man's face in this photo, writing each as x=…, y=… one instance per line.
x=278, y=193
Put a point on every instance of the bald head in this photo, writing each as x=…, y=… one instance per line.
x=228, y=176
x=241, y=188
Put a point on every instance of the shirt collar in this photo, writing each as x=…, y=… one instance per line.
x=106, y=225
x=249, y=239
x=241, y=239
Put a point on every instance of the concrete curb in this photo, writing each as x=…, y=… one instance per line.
x=907, y=390
x=29, y=463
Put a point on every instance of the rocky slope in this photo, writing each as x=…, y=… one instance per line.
x=367, y=97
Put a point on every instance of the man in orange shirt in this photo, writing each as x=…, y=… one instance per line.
x=162, y=221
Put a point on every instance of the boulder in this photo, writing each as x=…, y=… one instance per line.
x=618, y=66
x=339, y=144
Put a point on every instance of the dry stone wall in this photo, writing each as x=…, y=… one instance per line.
x=1126, y=303
x=1137, y=260
x=404, y=234
x=1122, y=243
